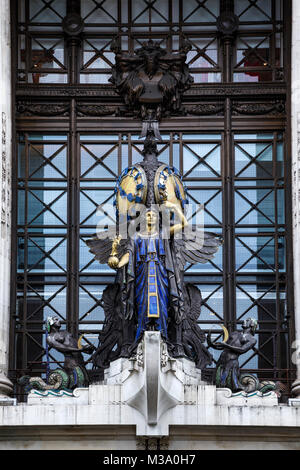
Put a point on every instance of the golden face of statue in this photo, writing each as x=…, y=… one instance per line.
x=151, y=220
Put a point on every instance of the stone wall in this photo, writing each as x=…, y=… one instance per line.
x=5, y=192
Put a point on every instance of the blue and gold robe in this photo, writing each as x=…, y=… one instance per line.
x=152, y=284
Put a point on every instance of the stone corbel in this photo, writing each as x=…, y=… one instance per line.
x=150, y=390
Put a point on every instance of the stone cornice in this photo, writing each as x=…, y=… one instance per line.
x=107, y=92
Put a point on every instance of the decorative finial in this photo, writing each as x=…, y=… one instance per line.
x=150, y=146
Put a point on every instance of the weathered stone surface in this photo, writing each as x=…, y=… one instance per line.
x=295, y=156
x=151, y=392
x=5, y=191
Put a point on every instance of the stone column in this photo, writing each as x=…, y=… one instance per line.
x=5, y=194
x=296, y=181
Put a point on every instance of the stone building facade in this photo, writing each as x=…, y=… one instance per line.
x=110, y=416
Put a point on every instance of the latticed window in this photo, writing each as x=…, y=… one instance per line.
x=230, y=143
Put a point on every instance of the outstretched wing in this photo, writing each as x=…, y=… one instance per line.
x=101, y=245
x=197, y=246
x=194, y=301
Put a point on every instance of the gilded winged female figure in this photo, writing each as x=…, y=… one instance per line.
x=150, y=261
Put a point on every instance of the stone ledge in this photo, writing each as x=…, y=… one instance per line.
x=151, y=392
x=294, y=402
x=7, y=401
x=124, y=438
x=103, y=405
